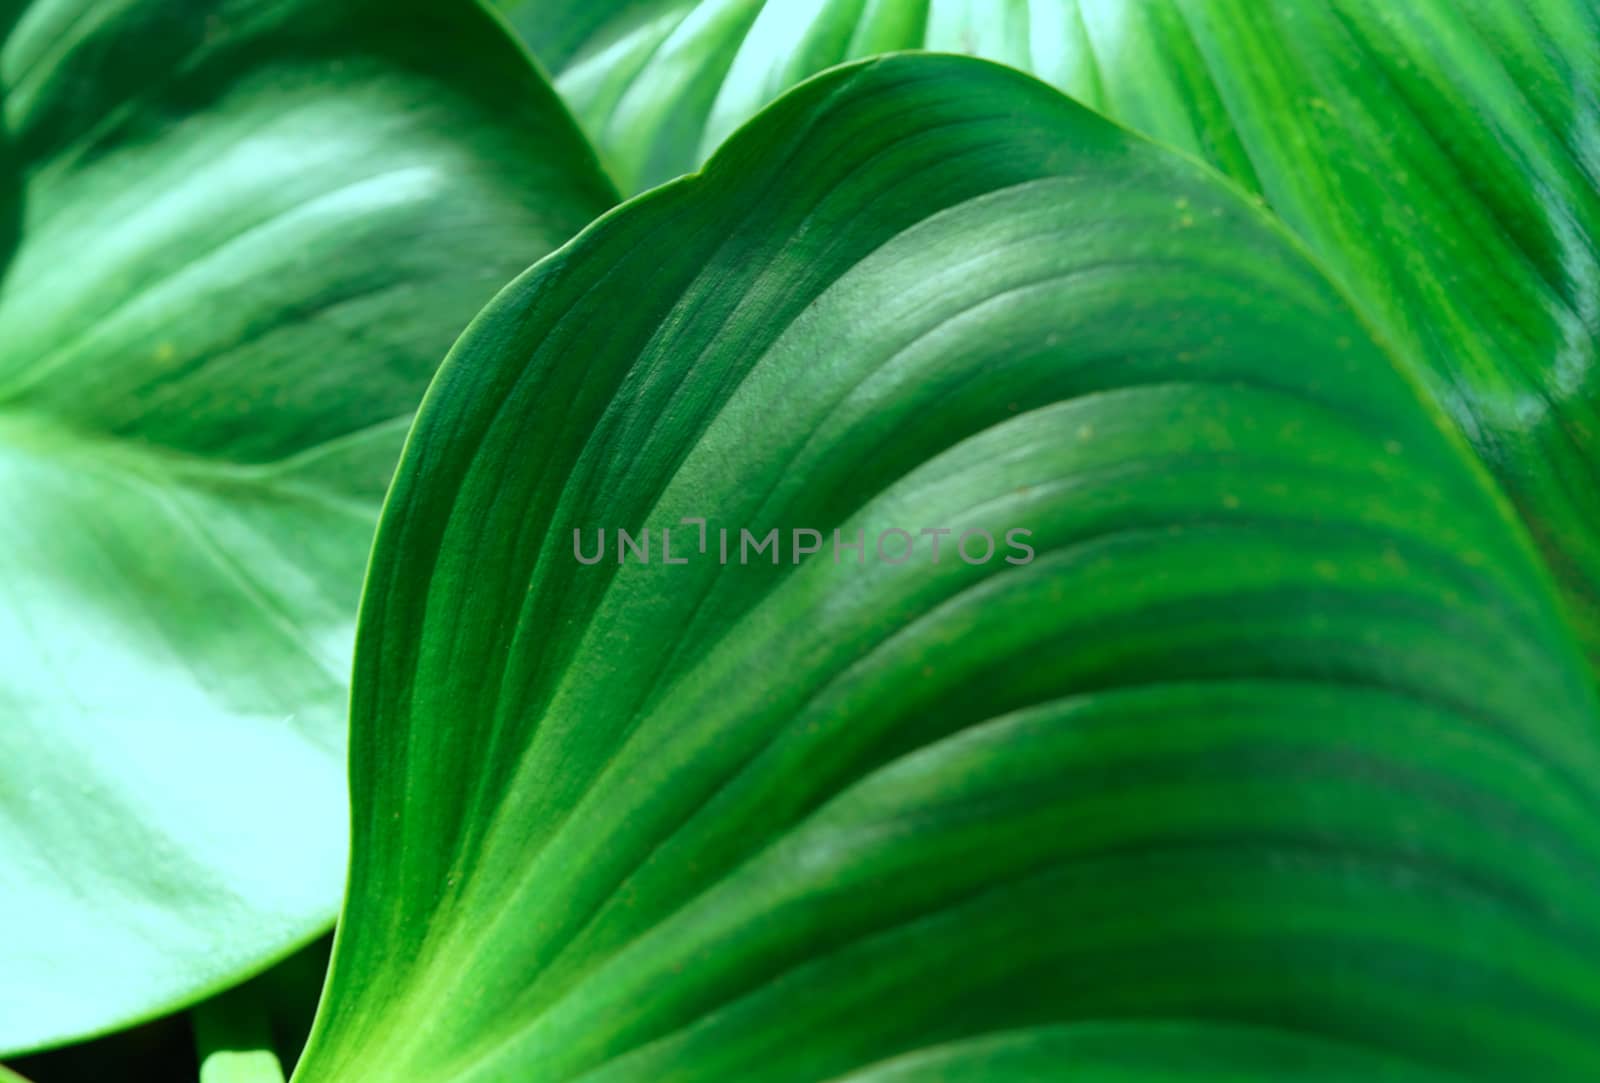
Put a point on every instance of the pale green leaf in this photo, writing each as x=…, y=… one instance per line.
x=247, y=230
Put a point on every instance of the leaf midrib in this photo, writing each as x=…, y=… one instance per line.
x=50, y=439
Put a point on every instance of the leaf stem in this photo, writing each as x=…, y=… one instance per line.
x=233, y=1039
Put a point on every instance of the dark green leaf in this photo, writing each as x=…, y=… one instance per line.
x=1439, y=156
x=1154, y=1052
x=1281, y=730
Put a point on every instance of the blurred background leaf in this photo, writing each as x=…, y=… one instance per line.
x=248, y=232
x=285, y=998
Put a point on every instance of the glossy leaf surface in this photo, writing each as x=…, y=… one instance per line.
x=1276, y=753
x=246, y=232
x=1441, y=158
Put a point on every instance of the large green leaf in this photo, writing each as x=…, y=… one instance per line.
x=1277, y=753
x=1438, y=155
x=248, y=232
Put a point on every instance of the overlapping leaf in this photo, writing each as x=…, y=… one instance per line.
x=245, y=233
x=1277, y=755
x=1438, y=155
x=660, y=83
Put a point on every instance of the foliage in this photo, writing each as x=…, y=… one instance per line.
x=1268, y=324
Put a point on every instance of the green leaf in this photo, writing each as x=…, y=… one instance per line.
x=1437, y=155
x=1280, y=731
x=1161, y=1052
x=248, y=232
